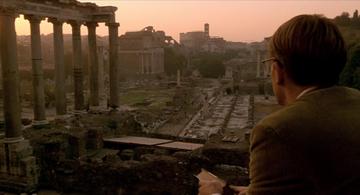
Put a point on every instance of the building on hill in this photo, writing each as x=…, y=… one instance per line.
x=142, y=52
x=202, y=41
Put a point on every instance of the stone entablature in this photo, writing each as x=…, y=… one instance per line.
x=62, y=10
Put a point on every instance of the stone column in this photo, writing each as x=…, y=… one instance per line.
x=152, y=63
x=10, y=76
x=265, y=70
x=93, y=63
x=159, y=62
x=147, y=63
x=113, y=53
x=101, y=64
x=138, y=56
x=258, y=64
x=142, y=63
x=17, y=166
x=178, y=77
x=162, y=61
x=78, y=70
x=60, y=80
x=37, y=71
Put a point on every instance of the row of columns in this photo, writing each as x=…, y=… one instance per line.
x=150, y=63
x=10, y=69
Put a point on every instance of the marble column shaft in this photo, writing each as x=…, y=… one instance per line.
x=10, y=75
x=94, y=65
x=77, y=64
x=178, y=75
x=37, y=69
x=101, y=65
x=142, y=63
x=152, y=63
x=60, y=78
x=114, y=74
x=258, y=65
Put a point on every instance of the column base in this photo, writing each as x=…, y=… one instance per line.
x=12, y=140
x=41, y=123
x=62, y=117
x=76, y=112
x=18, y=169
x=96, y=109
x=113, y=109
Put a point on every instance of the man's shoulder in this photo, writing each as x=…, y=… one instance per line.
x=333, y=94
x=316, y=111
x=288, y=116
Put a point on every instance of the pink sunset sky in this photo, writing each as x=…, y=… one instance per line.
x=235, y=20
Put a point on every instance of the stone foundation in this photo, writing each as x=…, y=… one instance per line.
x=18, y=169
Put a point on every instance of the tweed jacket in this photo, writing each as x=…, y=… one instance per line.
x=309, y=147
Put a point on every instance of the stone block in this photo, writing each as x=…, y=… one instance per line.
x=29, y=170
x=127, y=154
x=94, y=139
x=18, y=168
x=77, y=145
x=18, y=151
x=231, y=154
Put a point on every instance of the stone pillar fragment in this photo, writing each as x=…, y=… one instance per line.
x=114, y=74
x=37, y=71
x=10, y=75
x=77, y=64
x=60, y=80
x=94, y=66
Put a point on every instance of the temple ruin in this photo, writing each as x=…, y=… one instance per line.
x=18, y=167
x=142, y=52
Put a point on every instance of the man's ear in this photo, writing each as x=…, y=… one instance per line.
x=279, y=73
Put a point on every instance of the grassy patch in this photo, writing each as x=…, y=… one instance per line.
x=157, y=97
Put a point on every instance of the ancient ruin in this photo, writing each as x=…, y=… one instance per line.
x=129, y=114
x=142, y=52
x=18, y=168
x=202, y=41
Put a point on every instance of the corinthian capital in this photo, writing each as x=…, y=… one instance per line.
x=34, y=18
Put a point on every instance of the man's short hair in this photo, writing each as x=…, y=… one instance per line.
x=311, y=49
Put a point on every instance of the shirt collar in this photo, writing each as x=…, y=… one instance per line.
x=307, y=90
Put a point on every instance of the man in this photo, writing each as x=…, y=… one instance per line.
x=312, y=145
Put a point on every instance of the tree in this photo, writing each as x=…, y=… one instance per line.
x=210, y=65
x=343, y=19
x=350, y=76
x=173, y=61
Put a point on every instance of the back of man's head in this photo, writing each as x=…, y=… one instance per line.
x=311, y=49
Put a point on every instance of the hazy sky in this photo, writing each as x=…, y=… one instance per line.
x=235, y=20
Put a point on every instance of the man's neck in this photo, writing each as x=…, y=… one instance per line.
x=295, y=92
